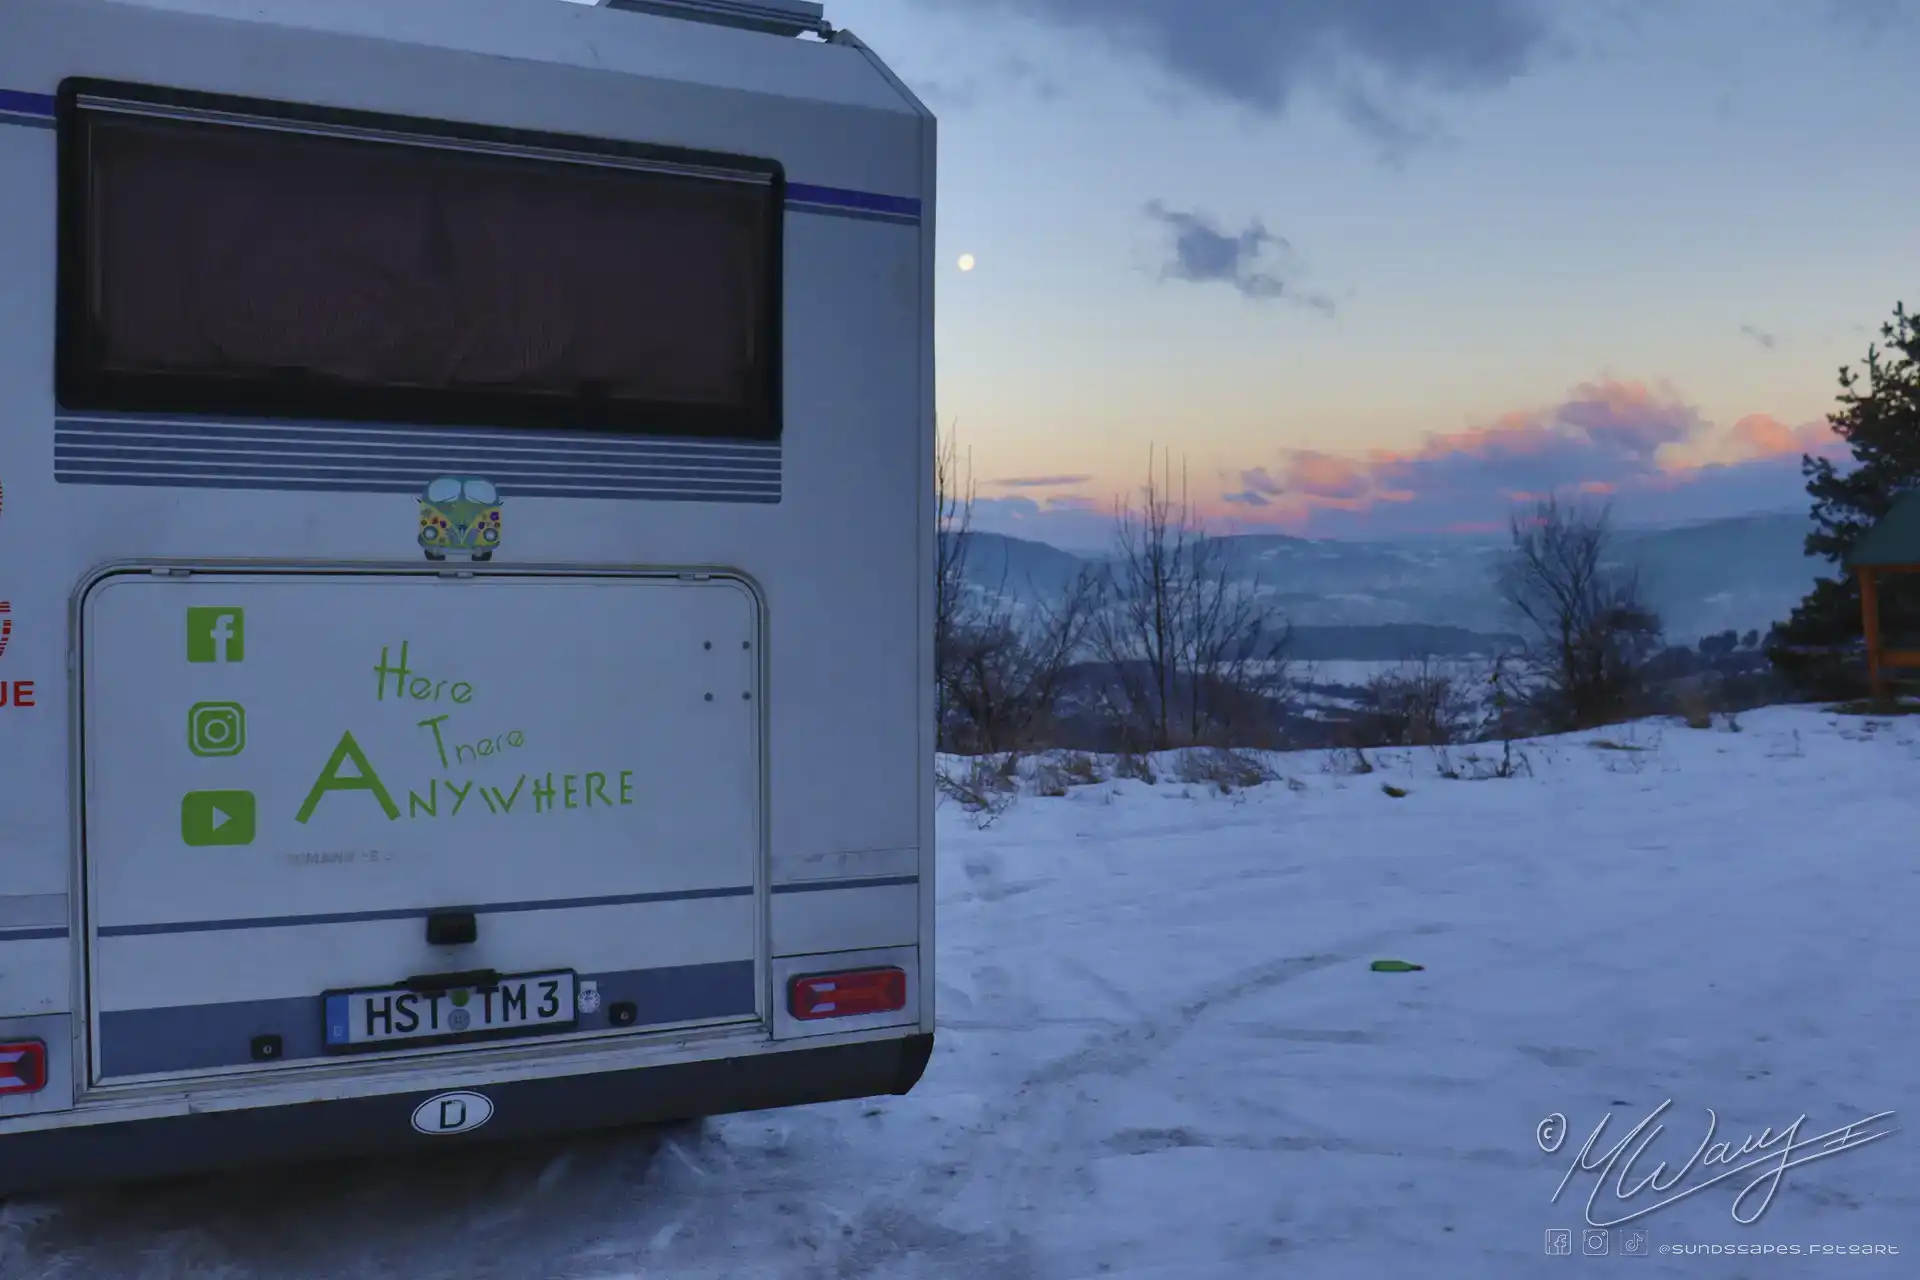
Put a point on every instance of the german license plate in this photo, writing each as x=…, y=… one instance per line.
x=523, y=1004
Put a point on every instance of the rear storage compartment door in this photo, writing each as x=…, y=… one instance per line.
x=287, y=774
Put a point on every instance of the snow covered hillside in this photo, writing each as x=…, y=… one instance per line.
x=1164, y=1055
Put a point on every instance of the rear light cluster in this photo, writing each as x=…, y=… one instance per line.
x=847, y=995
x=23, y=1067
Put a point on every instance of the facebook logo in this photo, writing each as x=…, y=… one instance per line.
x=216, y=635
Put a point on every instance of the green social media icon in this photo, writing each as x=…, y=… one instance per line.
x=211, y=818
x=216, y=634
x=216, y=728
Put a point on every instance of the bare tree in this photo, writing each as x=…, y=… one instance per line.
x=1008, y=668
x=1420, y=704
x=1588, y=631
x=953, y=495
x=1000, y=663
x=1193, y=654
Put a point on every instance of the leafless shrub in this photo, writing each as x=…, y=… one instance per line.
x=981, y=786
x=1050, y=778
x=1876, y=707
x=1503, y=759
x=1692, y=705
x=1348, y=760
x=1135, y=765
x=954, y=534
x=1223, y=768
x=1511, y=761
x=1589, y=632
x=1000, y=669
x=1195, y=656
x=1004, y=678
x=1420, y=704
x=1081, y=769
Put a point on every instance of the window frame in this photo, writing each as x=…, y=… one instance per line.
x=81, y=385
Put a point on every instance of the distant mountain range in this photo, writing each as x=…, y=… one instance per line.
x=1434, y=596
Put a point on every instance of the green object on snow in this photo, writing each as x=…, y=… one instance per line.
x=1396, y=966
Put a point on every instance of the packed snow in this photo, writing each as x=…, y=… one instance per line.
x=1164, y=1054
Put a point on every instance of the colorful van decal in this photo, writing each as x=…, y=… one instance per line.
x=460, y=515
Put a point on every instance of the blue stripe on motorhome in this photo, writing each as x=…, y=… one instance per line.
x=225, y=453
x=843, y=198
x=138, y=1042
x=872, y=882
x=35, y=108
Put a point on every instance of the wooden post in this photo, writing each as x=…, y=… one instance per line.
x=1870, y=623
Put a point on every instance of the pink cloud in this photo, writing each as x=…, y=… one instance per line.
x=1623, y=441
x=1040, y=482
x=1761, y=435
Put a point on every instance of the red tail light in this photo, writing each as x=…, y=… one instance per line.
x=23, y=1067
x=847, y=995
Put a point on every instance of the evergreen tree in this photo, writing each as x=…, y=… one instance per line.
x=1879, y=418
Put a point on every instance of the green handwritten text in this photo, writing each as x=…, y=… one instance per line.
x=466, y=752
x=331, y=780
x=408, y=683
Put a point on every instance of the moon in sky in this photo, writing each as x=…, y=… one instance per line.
x=966, y=262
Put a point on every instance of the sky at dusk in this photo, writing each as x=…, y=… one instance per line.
x=1372, y=267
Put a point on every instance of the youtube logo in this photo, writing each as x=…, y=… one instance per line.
x=210, y=819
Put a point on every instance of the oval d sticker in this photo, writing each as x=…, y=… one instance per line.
x=452, y=1113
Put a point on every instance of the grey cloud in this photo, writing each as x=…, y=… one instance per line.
x=1249, y=260
x=1872, y=19
x=1260, y=480
x=946, y=95
x=1760, y=336
x=1362, y=53
x=964, y=93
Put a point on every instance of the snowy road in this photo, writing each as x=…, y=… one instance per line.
x=1163, y=1054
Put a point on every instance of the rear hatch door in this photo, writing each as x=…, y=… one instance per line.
x=332, y=813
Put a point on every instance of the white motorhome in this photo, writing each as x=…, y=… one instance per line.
x=466, y=538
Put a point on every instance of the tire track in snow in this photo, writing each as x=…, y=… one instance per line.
x=1038, y=1140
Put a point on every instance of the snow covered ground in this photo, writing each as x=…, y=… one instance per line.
x=1164, y=1055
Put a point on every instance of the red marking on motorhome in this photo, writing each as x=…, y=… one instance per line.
x=17, y=694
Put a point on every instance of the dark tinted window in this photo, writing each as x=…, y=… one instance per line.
x=239, y=268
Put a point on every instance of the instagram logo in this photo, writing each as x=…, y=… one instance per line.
x=216, y=728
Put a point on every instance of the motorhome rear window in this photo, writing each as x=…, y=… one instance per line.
x=233, y=257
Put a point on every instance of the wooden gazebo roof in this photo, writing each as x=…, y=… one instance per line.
x=1891, y=546
x=1893, y=542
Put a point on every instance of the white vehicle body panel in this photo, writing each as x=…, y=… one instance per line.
x=767, y=800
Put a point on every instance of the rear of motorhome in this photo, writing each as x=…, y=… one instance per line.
x=466, y=514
